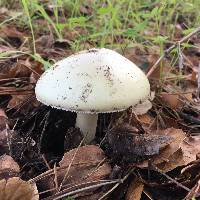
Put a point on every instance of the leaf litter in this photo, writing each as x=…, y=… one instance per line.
x=153, y=151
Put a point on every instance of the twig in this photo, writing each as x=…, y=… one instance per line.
x=96, y=168
x=51, y=172
x=55, y=177
x=189, y=118
x=116, y=185
x=198, y=83
x=8, y=137
x=171, y=179
x=46, y=117
x=180, y=58
x=59, y=196
x=67, y=172
x=171, y=48
x=148, y=195
x=45, y=161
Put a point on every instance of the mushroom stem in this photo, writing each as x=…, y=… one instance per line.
x=87, y=124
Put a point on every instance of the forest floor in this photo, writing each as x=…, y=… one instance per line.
x=149, y=152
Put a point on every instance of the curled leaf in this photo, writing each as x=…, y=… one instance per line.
x=17, y=189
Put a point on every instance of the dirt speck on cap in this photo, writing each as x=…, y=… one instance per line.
x=54, y=67
x=92, y=50
x=108, y=74
x=87, y=90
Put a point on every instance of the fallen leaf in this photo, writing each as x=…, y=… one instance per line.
x=130, y=146
x=190, y=147
x=4, y=48
x=174, y=161
x=168, y=154
x=23, y=103
x=176, y=101
x=89, y=154
x=19, y=69
x=172, y=100
x=81, y=166
x=17, y=189
x=11, y=34
x=137, y=55
x=177, y=137
x=135, y=190
x=193, y=192
x=3, y=120
x=142, y=108
x=145, y=119
x=17, y=100
x=188, y=150
x=7, y=163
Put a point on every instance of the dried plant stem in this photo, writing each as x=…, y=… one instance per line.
x=116, y=185
x=171, y=179
x=51, y=172
x=67, y=172
x=63, y=193
x=171, y=48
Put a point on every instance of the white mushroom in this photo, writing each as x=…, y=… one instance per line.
x=91, y=82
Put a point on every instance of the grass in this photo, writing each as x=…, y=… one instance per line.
x=26, y=10
x=109, y=23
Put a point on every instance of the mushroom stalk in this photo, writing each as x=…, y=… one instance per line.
x=87, y=124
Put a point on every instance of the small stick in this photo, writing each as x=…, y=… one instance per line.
x=198, y=83
x=8, y=137
x=148, y=195
x=116, y=185
x=45, y=161
x=171, y=179
x=59, y=196
x=180, y=56
x=67, y=172
x=55, y=177
x=171, y=48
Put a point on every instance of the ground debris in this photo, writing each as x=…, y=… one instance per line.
x=15, y=188
x=135, y=190
x=128, y=144
x=91, y=165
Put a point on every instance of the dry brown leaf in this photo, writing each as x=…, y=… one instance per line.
x=23, y=103
x=3, y=120
x=19, y=69
x=11, y=31
x=17, y=100
x=136, y=55
x=83, y=154
x=7, y=163
x=86, y=155
x=174, y=161
x=164, y=156
x=178, y=136
x=145, y=119
x=4, y=132
x=176, y=101
x=142, y=108
x=190, y=147
x=181, y=153
x=157, y=73
x=4, y=48
x=129, y=145
x=135, y=190
x=193, y=192
x=17, y=189
x=172, y=100
x=87, y=164
x=15, y=37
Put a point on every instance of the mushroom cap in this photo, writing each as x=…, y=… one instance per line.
x=93, y=81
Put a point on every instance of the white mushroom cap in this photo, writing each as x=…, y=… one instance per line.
x=93, y=81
